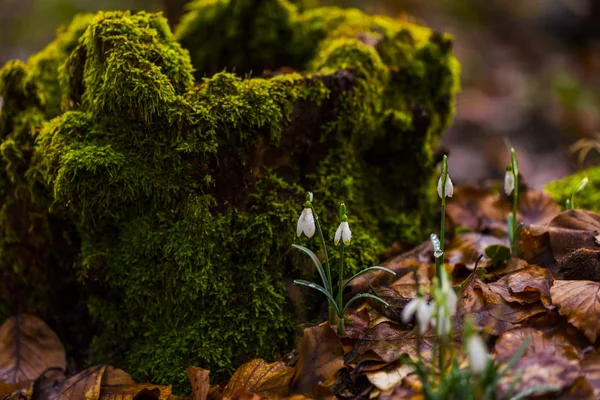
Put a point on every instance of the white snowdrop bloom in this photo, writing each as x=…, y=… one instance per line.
x=477, y=353
x=306, y=223
x=442, y=322
x=448, y=188
x=450, y=298
x=343, y=232
x=509, y=182
x=422, y=310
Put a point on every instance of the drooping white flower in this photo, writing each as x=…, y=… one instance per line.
x=450, y=299
x=509, y=182
x=306, y=223
x=477, y=353
x=343, y=232
x=442, y=321
x=448, y=188
x=422, y=310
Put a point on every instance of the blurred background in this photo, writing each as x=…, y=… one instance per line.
x=530, y=73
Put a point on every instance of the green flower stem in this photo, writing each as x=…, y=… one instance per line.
x=328, y=268
x=515, y=171
x=341, y=328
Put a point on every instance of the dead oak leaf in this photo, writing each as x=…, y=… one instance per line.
x=320, y=357
x=555, y=344
x=579, y=302
x=525, y=286
x=28, y=347
x=548, y=373
x=549, y=361
x=260, y=378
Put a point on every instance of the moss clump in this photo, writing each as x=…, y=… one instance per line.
x=37, y=248
x=588, y=198
x=184, y=195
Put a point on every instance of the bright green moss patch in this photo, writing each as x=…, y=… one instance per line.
x=181, y=194
x=588, y=198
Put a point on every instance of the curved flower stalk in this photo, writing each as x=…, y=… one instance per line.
x=511, y=185
x=571, y=202
x=444, y=189
x=342, y=238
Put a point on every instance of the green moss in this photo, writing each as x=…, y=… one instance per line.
x=588, y=198
x=184, y=195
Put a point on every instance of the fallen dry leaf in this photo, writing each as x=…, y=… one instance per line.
x=551, y=343
x=466, y=249
x=525, y=286
x=483, y=211
x=391, y=376
x=571, y=240
x=389, y=340
x=28, y=347
x=200, y=381
x=536, y=207
x=579, y=302
x=490, y=312
x=591, y=371
x=549, y=373
x=320, y=357
x=260, y=378
x=117, y=384
x=403, y=264
x=85, y=385
x=478, y=209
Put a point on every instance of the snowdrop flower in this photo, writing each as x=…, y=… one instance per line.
x=509, y=182
x=343, y=232
x=477, y=353
x=442, y=321
x=422, y=310
x=448, y=188
x=306, y=223
x=450, y=299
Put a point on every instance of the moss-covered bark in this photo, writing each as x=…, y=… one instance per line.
x=181, y=196
x=587, y=199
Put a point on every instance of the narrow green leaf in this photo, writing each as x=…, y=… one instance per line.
x=360, y=296
x=320, y=289
x=364, y=271
x=315, y=260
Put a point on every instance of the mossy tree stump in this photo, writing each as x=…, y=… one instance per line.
x=173, y=199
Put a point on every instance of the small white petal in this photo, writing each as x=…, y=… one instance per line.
x=424, y=312
x=338, y=235
x=509, y=182
x=306, y=223
x=478, y=354
x=439, y=187
x=300, y=226
x=449, y=189
x=346, y=233
x=409, y=310
x=442, y=321
x=451, y=301
x=309, y=228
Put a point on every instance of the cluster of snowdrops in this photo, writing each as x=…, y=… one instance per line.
x=442, y=375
